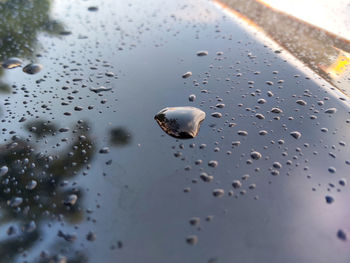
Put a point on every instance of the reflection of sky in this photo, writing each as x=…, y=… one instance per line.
x=321, y=51
x=332, y=16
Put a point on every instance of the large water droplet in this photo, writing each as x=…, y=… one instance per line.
x=32, y=68
x=180, y=122
x=12, y=63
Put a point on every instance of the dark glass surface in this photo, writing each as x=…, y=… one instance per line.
x=113, y=187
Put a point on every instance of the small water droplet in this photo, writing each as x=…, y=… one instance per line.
x=255, y=155
x=341, y=234
x=236, y=184
x=329, y=199
x=192, y=97
x=192, y=240
x=90, y=236
x=15, y=201
x=202, y=53
x=242, y=133
x=31, y=184
x=260, y=116
x=218, y=192
x=92, y=8
x=3, y=170
x=30, y=227
x=295, y=134
x=100, y=89
x=213, y=163
x=194, y=221
x=276, y=110
x=301, y=102
x=332, y=170
x=104, y=150
x=71, y=200
x=216, y=115
x=331, y=110
x=205, y=177
x=187, y=75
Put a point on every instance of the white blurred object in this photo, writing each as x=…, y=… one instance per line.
x=331, y=15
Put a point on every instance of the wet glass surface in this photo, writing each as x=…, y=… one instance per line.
x=325, y=52
x=86, y=174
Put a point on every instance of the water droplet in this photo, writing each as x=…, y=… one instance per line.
x=260, y=116
x=30, y=227
x=93, y=8
x=329, y=199
x=236, y=184
x=213, y=163
x=109, y=74
x=202, y=53
x=341, y=234
x=277, y=165
x=205, y=177
x=32, y=68
x=332, y=170
x=187, y=75
x=67, y=237
x=218, y=192
x=71, y=200
x=255, y=155
x=216, y=115
x=104, y=150
x=194, y=221
x=90, y=236
x=192, y=97
x=3, y=170
x=242, y=133
x=192, y=240
x=276, y=110
x=301, y=102
x=31, y=184
x=342, y=182
x=263, y=132
x=295, y=134
x=100, y=89
x=12, y=63
x=15, y=201
x=331, y=110
x=180, y=122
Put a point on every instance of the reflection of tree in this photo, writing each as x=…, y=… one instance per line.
x=21, y=21
x=41, y=128
x=119, y=136
x=46, y=200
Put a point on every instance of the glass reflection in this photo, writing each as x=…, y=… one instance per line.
x=45, y=199
x=325, y=53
